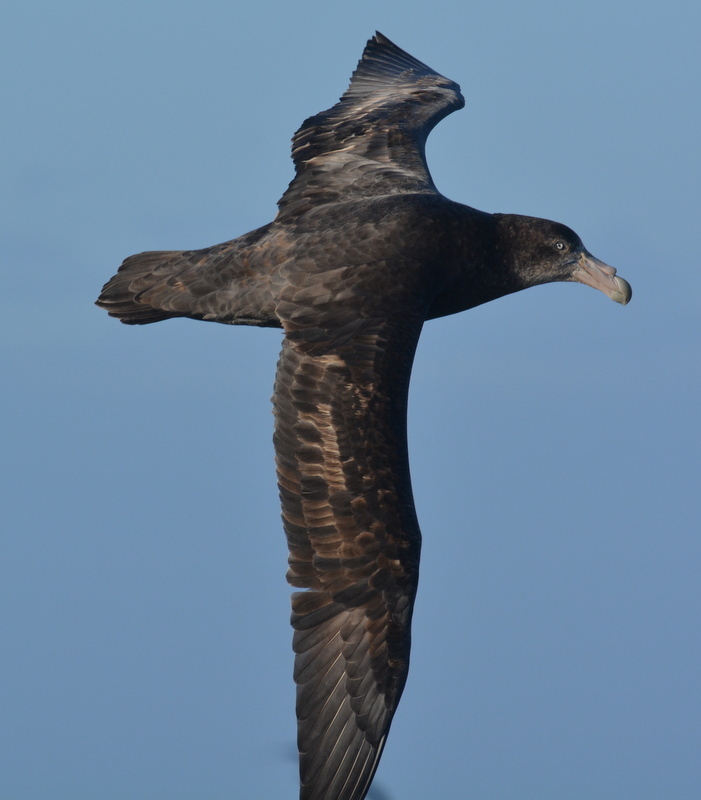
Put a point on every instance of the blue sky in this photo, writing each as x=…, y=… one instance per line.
x=554, y=435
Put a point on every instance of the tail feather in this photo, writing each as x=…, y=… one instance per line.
x=121, y=295
x=227, y=283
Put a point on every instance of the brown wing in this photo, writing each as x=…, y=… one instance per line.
x=371, y=143
x=340, y=442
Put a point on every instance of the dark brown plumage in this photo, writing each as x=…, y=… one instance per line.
x=363, y=250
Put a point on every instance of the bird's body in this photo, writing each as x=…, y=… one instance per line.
x=362, y=252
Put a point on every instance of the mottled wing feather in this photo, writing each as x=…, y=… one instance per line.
x=340, y=441
x=372, y=141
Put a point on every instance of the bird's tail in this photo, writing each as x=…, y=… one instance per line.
x=126, y=295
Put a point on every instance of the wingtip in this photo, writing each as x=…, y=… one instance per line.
x=384, y=62
x=379, y=42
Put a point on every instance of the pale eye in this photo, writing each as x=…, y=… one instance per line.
x=560, y=245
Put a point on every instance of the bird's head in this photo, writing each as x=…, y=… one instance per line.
x=540, y=251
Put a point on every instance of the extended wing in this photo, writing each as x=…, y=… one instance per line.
x=340, y=442
x=371, y=143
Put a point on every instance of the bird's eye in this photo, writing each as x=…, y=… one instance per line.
x=560, y=245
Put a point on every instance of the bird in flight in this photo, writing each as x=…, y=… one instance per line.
x=363, y=250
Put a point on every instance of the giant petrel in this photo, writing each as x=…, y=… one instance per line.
x=363, y=250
